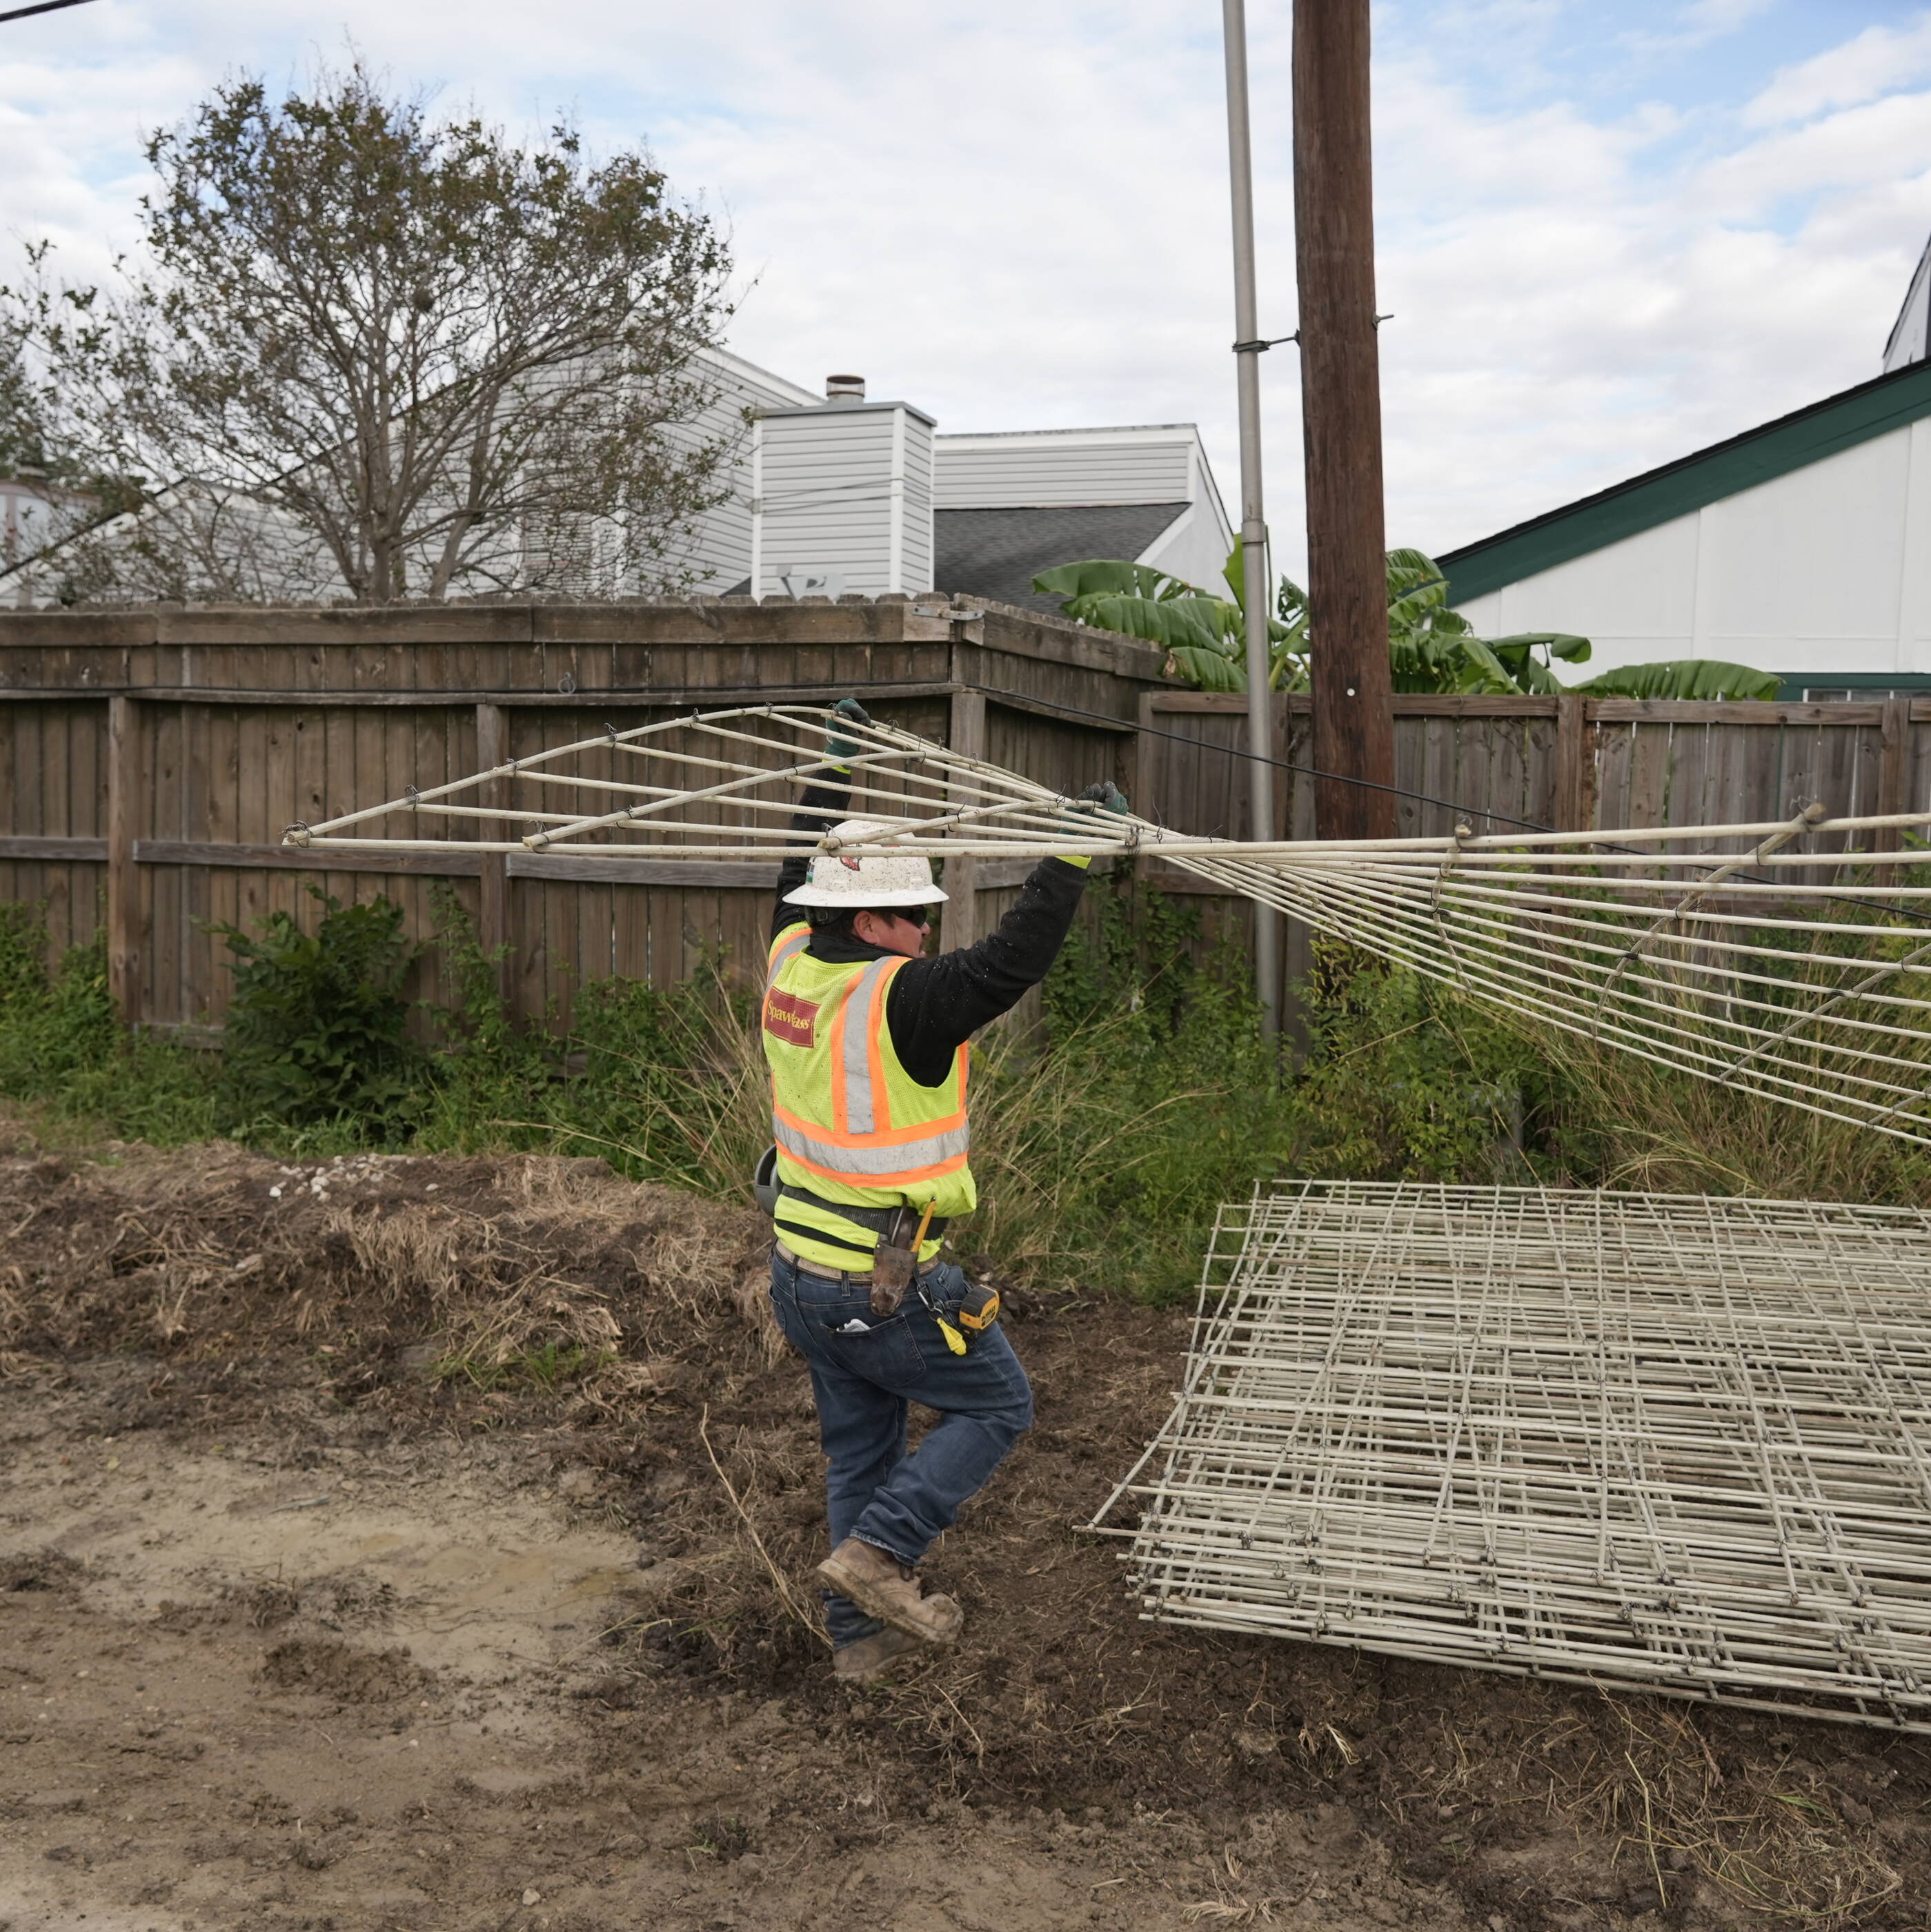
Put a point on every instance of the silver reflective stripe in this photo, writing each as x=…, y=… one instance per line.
x=867, y=1163
x=862, y=1107
x=785, y=954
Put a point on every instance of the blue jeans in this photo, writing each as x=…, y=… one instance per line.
x=863, y=1381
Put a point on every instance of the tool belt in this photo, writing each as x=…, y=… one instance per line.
x=882, y=1221
x=819, y=1272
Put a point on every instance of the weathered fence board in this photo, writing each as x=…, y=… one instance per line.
x=150, y=759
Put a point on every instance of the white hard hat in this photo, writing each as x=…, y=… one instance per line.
x=839, y=879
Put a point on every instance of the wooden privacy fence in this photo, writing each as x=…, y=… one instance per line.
x=1566, y=763
x=151, y=758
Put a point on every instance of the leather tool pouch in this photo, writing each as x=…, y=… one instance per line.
x=893, y=1264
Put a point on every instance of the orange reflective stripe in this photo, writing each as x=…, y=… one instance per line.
x=833, y=1137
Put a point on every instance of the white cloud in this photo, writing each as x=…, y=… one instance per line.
x=1873, y=63
x=1699, y=24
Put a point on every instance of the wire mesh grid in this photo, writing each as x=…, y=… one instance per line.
x=726, y=783
x=1791, y=961
x=1660, y=1442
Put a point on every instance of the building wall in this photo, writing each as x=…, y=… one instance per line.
x=1825, y=570
x=918, y=466
x=1194, y=547
x=846, y=489
x=720, y=552
x=1030, y=468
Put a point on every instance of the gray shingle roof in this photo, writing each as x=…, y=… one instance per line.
x=997, y=553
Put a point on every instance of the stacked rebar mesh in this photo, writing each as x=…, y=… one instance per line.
x=1791, y=961
x=1657, y=1442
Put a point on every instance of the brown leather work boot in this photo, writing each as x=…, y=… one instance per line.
x=872, y=1656
x=882, y=1587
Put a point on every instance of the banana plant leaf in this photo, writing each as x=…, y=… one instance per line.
x=1683, y=677
x=1103, y=576
x=1200, y=623
x=1431, y=647
x=1562, y=644
x=1211, y=670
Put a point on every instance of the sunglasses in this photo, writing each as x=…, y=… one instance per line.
x=918, y=916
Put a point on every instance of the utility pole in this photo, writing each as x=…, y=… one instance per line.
x=1256, y=579
x=1341, y=412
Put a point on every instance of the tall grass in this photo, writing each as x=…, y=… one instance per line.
x=1106, y=1128
x=1104, y=1135
x=1405, y=1080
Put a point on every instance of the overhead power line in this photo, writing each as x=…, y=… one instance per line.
x=40, y=7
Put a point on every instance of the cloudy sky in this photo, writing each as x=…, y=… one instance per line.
x=1608, y=234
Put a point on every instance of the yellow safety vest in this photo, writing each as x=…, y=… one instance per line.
x=852, y=1125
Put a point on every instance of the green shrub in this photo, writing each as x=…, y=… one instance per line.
x=1402, y=1080
x=316, y=1033
x=62, y=1045
x=55, y=1025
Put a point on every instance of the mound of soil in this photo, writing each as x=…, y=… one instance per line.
x=331, y=1669
x=530, y=1423
x=496, y=1268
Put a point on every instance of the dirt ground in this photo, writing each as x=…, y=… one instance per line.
x=423, y=1544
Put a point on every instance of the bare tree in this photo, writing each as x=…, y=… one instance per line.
x=374, y=355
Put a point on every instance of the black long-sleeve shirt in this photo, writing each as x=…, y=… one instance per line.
x=936, y=1003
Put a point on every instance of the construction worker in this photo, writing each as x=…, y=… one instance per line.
x=866, y=1040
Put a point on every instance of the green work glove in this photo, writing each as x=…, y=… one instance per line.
x=1101, y=796
x=836, y=746
x=1104, y=796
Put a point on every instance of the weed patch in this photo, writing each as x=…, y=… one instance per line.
x=1105, y=1135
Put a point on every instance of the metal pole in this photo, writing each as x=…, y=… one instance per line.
x=1256, y=580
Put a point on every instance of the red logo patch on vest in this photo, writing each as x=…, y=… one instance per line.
x=789, y=1018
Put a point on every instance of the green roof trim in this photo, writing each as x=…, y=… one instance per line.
x=1796, y=683
x=1759, y=455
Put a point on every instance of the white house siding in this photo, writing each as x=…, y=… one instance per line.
x=1826, y=569
x=720, y=550
x=915, y=507
x=1039, y=468
x=1193, y=547
x=846, y=490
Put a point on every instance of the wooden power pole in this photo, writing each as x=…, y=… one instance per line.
x=1341, y=408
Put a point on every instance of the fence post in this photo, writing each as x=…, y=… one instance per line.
x=1144, y=767
x=493, y=908
x=965, y=733
x=1571, y=804
x=1894, y=777
x=124, y=911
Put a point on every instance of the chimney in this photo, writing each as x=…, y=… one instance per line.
x=844, y=388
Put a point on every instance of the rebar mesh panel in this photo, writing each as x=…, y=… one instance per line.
x=1658, y=1441
x=1791, y=961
